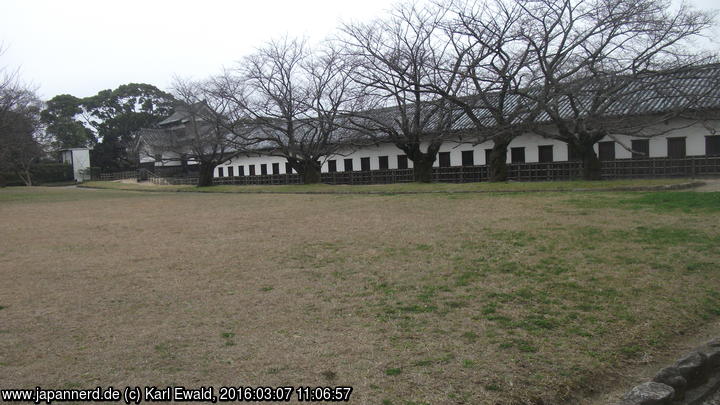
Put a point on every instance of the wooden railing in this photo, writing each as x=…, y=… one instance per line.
x=128, y=174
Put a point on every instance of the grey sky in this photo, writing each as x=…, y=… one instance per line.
x=81, y=47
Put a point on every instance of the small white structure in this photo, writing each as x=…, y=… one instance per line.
x=79, y=159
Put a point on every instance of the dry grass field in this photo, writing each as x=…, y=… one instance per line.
x=411, y=299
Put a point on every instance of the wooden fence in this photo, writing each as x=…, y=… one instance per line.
x=661, y=167
x=129, y=174
x=554, y=171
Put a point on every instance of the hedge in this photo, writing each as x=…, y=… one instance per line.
x=40, y=173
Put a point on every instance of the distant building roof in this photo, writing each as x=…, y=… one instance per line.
x=182, y=113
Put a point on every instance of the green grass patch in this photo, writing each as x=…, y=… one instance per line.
x=657, y=201
x=393, y=371
x=676, y=201
x=61, y=194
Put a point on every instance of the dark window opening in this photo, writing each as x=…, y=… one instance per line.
x=572, y=154
x=241, y=170
x=288, y=168
x=517, y=155
x=231, y=171
x=607, y=150
x=640, y=148
x=676, y=147
x=252, y=169
x=221, y=172
x=383, y=162
x=545, y=153
x=365, y=164
x=348, y=165
x=332, y=166
x=444, y=159
x=468, y=158
x=487, y=156
x=402, y=161
x=276, y=168
x=263, y=169
x=712, y=145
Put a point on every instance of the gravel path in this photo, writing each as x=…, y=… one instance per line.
x=710, y=185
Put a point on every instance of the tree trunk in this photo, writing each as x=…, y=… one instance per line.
x=422, y=161
x=497, y=167
x=422, y=169
x=184, y=165
x=205, y=177
x=309, y=171
x=591, y=164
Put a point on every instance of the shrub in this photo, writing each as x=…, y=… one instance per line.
x=41, y=173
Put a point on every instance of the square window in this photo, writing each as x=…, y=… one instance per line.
x=468, y=158
x=545, y=153
x=607, y=150
x=444, y=158
x=487, y=156
x=712, y=145
x=383, y=162
x=640, y=148
x=402, y=162
x=676, y=147
x=517, y=155
x=365, y=164
x=572, y=154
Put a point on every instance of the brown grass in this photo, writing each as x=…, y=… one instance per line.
x=438, y=299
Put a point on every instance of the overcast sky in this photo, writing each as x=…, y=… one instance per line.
x=82, y=47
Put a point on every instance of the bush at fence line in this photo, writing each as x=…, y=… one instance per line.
x=41, y=173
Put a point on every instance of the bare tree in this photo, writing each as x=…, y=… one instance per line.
x=21, y=138
x=485, y=73
x=295, y=100
x=201, y=130
x=395, y=63
x=601, y=60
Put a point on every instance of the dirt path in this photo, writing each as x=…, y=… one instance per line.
x=710, y=185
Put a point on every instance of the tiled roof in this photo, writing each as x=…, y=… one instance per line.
x=693, y=89
x=657, y=93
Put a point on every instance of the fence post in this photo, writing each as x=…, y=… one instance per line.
x=692, y=167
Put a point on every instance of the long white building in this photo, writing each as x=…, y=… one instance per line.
x=680, y=139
